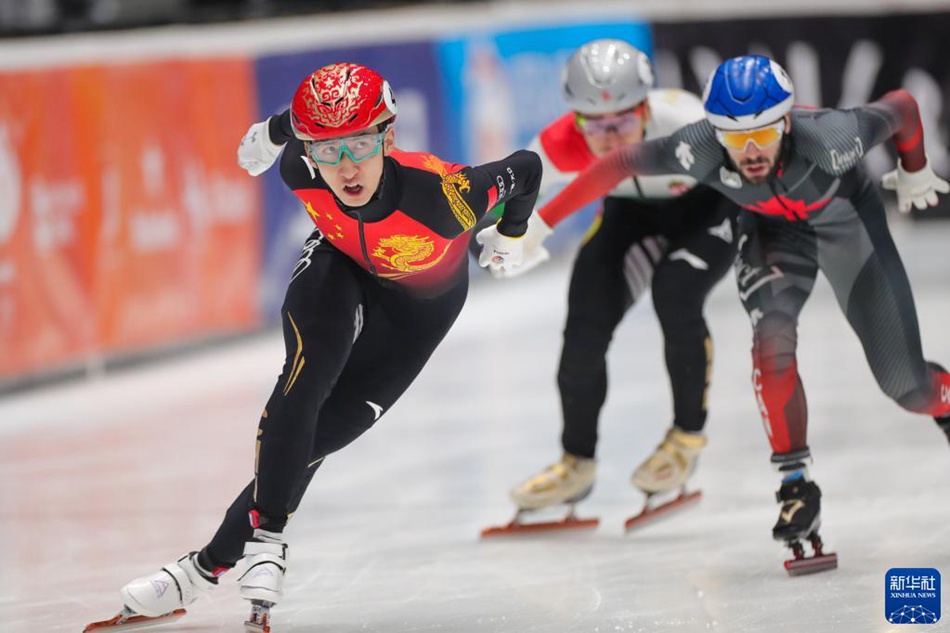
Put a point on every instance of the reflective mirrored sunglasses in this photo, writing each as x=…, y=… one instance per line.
x=622, y=124
x=761, y=137
x=358, y=148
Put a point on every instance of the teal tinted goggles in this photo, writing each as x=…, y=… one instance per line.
x=358, y=148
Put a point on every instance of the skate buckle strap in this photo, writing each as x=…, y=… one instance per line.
x=680, y=446
x=672, y=449
x=188, y=585
x=560, y=470
x=692, y=441
x=267, y=552
x=678, y=450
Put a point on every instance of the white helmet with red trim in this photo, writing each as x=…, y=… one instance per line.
x=605, y=76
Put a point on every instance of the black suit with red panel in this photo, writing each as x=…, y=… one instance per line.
x=818, y=211
x=374, y=292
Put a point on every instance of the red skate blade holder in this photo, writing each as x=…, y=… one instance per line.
x=516, y=527
x=811, y=565
x=126, y=621
x=649, y=515
x=259, y=622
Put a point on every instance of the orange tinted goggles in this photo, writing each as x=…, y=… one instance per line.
x=627, y=122
x=761, y=137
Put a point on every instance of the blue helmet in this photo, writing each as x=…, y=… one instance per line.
x=747, y=92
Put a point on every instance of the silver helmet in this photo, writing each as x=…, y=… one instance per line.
x=606, y=76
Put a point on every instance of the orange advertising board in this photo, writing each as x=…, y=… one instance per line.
x=47, y=311
x=227, y=200
x=125, y=223
x=177, y=255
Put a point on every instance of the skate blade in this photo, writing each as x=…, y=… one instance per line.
x=651, y=515
x=257, y=627
x=516, y=527
x=811, y=565
x=127, y=621
x=259, y=622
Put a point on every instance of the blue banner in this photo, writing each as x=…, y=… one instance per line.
x=411, y=70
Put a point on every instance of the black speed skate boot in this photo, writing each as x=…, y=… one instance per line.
x=801, y=510
x=800, y=517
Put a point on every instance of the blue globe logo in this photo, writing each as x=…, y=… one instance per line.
x=912, y=615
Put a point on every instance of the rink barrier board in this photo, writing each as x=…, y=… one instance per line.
x=125, y=225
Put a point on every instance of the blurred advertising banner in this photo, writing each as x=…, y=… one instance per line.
x=503, y=87
x=177, y=252
x=878, y=54
x=125, y=223
x=411, y=68
x=47, y=302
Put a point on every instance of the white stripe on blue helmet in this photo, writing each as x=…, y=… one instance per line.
x=747, y=92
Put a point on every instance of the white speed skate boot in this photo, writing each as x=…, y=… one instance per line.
x=262, y=582
x=665, y=471
x=173, y=587
x=160, y=597
x=565, y=482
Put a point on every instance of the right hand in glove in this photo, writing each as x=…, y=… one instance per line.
x=257, y=152
x=533, y=252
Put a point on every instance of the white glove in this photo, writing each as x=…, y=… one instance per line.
x=916, y=188
x=257, y=152
x=531, y=251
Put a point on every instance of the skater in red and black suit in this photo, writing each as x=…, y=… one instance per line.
x=657, y=234
x=807, y=205
x=378, y=285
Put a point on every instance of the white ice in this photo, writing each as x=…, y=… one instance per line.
x=105, y=480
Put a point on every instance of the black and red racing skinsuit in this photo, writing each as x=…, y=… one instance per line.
x=375, y=290
x=818, y=210
x=658, y=235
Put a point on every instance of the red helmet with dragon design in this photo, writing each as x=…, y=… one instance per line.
x=341, y=99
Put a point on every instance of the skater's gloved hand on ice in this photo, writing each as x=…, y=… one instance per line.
x=532, y=248
x=917, y=188
x=257, y=152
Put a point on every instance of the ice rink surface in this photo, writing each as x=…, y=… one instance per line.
x=105, y=480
